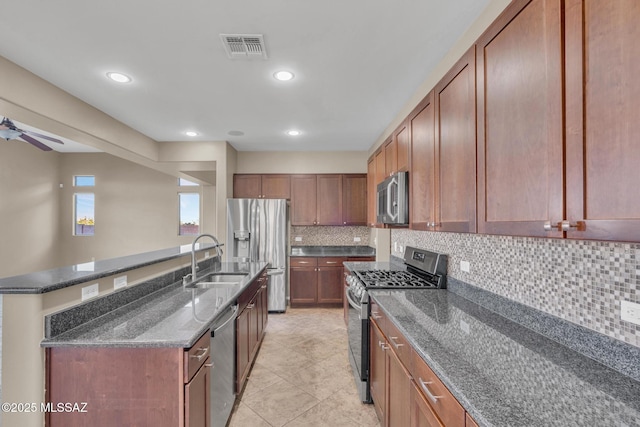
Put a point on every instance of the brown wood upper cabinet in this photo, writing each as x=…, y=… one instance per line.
x=254, y=186
x=443, y=153
x=557, y=120
x=520, y=127
x=371, y=192
x=602, y=59
x=328, y=199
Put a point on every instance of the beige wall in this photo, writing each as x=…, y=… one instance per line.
x=302, y=162
x=29, y=208
x=136, y=208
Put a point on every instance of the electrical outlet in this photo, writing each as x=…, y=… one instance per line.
x=465, y=266
x=206, y=254
x=395, y=246
x=465, y=327
x=298, y=239
x=90, y=291
x=356, y=239
x=119, y=282
x=630, y=312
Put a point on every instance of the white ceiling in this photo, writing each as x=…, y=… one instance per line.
x=356, y=62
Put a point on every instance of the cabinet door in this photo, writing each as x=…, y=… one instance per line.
x=276, y=186
x=247, y=186
x=329, y=202
x=421, y=413
x=303, y=200
x=377, y=370
x=197, y=398
x=422, y=180
x=520, y=120
x=401, y=139
x=603, y=130
x=304, y=285
x=380, y=165
x=398, y=392
x=255, y=318
x=390, y=157
x=330, y=284
x=455, y=105
x=242, y=349
x=371, y=192
x=354, y=199
x=264, y=308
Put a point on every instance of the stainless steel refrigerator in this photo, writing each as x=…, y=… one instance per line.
x=257, y=231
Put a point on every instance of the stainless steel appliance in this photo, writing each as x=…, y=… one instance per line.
x=422, y=270
x=223, y=344
x=257, y=231
x=393, y=200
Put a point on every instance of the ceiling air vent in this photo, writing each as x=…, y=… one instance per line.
x=244, y=46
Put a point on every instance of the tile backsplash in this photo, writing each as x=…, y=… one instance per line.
x=329, y=236
x=580, y=281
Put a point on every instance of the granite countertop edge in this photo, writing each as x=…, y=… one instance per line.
x=59, y=278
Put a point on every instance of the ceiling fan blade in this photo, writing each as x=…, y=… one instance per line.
x=35, y=142
x=43, y=136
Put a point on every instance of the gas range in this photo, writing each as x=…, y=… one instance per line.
x=424, y=270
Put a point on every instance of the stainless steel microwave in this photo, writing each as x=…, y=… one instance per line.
x=392, y=200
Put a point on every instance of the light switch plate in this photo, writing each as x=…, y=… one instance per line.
x=90, y=291
x=356, y=239
x=298, y=239
x=206, y=254
x=119, y=282
x=630, y=312
x=465, y=327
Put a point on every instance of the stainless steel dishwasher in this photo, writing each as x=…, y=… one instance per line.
x=222, y=394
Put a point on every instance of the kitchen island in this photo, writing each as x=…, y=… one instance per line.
x=30, y=298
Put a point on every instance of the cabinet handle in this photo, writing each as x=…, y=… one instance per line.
x=374, y=314
x=565, y=225
x=345, y=223
x=332, y=262
x=208, y=365
x=202, y=352
x=250, y=306
x=303, y=262
x=395, y=344
x=383, y=345
x=431, y=396
x=548, y=226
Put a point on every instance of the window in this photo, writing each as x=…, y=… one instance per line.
x=83, y=207
x=189, y=214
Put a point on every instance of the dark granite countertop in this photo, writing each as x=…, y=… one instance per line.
x=337, y=251
x=58, y=278
x=170, y=317
x=503, y=373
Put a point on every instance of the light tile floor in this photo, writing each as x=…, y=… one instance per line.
x=302, y=376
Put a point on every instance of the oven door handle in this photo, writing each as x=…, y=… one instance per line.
x=352, y=303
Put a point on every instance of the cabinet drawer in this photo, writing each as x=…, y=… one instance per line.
x=399, y=344
x=440, y=399
x=378, y=316
x=195, y=357
x=330, y=262
x=303, y=262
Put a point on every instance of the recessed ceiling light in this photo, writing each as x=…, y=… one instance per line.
x=191, y=133
x=283, y=75
x=293, y=132
x=119, y=77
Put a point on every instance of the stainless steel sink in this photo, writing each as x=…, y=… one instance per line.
x=219, y=280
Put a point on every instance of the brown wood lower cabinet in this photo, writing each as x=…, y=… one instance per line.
x=405, y=391
x=130, y=386
x=251, y=323
x=316, y=281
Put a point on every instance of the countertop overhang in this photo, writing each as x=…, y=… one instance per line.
x=58, y=278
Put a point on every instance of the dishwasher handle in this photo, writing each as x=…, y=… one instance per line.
x=234, y=310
